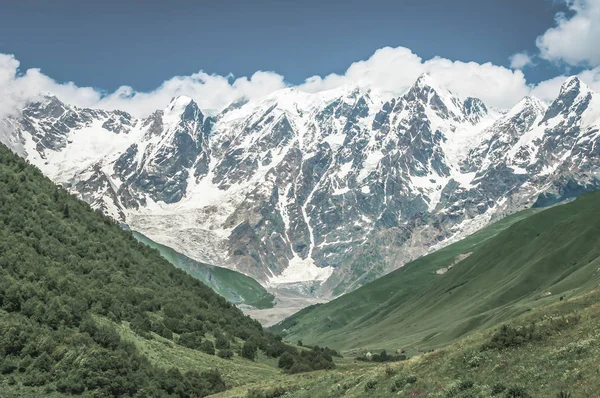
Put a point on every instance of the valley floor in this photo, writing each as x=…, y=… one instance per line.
x=288, y=302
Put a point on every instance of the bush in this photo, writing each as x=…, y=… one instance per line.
x=389, y=371
x=498, y=388
x=225, y=354
x=299, y=367
x=249, y=350
x=517, y=392
x=221, y=342
x=370, y=385
x=411, y=379
x=465, y=385
x=208, y=347
x=70, y=385
x=191, y=340
x=510, y=337
x=8, y=365
x=272, y=393
x=286, y=361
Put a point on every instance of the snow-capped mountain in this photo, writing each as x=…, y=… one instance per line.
x=324, y=190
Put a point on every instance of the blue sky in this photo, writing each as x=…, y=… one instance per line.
x=142, y=43
x=106, y=45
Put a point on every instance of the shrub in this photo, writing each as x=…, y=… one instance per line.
x=160, y=329
x=8, y=365
x=272, y=393
x=286, y=361
x=191, y=340
x=400, y=383
x=221, y=342
x=411, y=379
x=509, y=337
x=249, y=350
x=370, y=385
x=389, y=371
x=498, y=388
x=299, y=367
x=517, y=392
x=208, y=347
x=225, y=354
x=70, y=385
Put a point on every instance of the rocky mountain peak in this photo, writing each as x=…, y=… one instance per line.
x=572, y=84
x=574, y=96
x=475, y=109
x=429, y=94
x=47, y=105
x=184, y=108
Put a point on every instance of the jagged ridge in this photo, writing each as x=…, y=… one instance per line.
x=325, y=190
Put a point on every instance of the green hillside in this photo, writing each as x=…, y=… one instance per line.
x=549, y=352
x=234, y=286
x=520, y=263
x=87, y=309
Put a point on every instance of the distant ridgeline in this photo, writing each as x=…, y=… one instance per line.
x=79, y=296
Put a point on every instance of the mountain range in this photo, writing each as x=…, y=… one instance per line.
x=317, y=192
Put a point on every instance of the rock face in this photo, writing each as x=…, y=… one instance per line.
x=320, y=192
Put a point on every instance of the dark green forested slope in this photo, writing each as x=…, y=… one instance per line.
x=531, y=263
x=234, y=286
x=69, y=276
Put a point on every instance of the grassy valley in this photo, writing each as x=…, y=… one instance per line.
x=236, y=287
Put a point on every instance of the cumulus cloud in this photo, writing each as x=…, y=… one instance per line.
x=574, y=40
x=209, y=91
x=389, y=70
x=520, y=60
x=393, y=70
x=549, y=89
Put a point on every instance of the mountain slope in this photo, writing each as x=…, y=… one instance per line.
x=545, y=255
x=318, y=192
x=550, y=351
x=237, y=288
x=81, y=301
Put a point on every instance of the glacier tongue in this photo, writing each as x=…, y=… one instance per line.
x=328, y=189
x=301, y=270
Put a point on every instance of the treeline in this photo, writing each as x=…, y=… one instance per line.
x=65, y=266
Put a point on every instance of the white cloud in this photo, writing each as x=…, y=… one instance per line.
x=389, y=70
x=574, y=40
x=209, y=91
x=520, y=60
x=393, y=70
x=549, y=89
